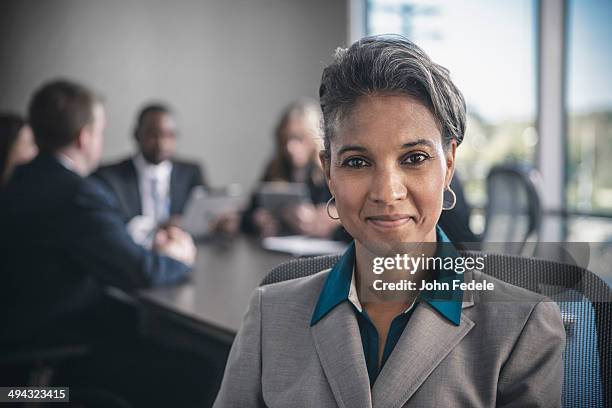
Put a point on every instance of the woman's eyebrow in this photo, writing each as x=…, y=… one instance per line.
x=418, y=142
x=357, y=148
x=347, y=148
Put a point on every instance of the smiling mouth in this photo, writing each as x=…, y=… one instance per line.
x=389, y=221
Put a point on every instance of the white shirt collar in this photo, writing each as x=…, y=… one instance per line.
x=67, y=162
x=155, y=204
x=161, y=170
x=352, y=296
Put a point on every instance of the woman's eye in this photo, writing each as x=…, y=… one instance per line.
x=415, y=158
x=355, y=162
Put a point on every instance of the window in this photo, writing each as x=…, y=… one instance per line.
x=589, y=107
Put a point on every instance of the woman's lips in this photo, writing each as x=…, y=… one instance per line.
x=389, y=221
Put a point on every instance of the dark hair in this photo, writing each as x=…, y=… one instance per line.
x=389, y=64
x=58, y=111
x=10, y=125
x=152, y=108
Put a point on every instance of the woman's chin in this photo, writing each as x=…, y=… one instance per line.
x=394, y=232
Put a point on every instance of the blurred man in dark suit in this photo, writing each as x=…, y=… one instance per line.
x=152, y=186
x=63, y=233
x=153, y=183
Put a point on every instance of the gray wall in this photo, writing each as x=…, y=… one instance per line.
x=227, y=67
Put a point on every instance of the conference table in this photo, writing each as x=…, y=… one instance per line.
x=218, y=291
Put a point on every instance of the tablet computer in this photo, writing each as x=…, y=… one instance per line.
x=204, y=206
x=274, y=196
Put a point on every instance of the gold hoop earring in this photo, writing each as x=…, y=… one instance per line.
x=454, y=200
x=327, y=208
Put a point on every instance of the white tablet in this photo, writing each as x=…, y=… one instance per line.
x=203, y=207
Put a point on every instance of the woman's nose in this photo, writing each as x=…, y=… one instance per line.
x=387, y=186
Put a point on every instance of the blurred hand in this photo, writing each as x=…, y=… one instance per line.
x=265, y=222
x=300, y=218
x=226, y=224
x=175, y=243
x=307, y=219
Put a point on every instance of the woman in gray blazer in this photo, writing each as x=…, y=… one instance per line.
x=385, y=327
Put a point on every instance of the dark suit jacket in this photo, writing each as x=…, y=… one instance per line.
x=62, y=239
x=122, y=179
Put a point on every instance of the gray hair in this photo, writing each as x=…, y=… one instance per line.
x=395, y=65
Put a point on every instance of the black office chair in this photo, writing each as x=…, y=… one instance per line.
x=513, y=211
x=586, y=308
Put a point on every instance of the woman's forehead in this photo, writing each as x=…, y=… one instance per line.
x=387, y=120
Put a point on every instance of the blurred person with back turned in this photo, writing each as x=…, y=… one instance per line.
x=297, y=145
x=153, y=187
x=16, y=145
x=361, y=335
x=63, y=240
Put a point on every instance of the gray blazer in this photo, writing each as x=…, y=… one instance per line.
x=506, y=352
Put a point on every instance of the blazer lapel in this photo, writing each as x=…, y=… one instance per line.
x=427, y=340
x=132, y=190
x=175, y=188
x=338, y=344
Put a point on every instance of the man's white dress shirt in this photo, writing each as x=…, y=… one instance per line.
x=154, y=187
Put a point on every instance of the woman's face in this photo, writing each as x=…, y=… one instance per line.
x=299, y=142
x=388, y=171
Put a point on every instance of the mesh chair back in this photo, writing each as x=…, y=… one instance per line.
x=513, y=209
x=586, y=308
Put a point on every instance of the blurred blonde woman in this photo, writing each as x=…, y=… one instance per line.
x=298, y=141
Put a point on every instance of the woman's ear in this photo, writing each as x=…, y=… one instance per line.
x=325, y=163
x=450, y=162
